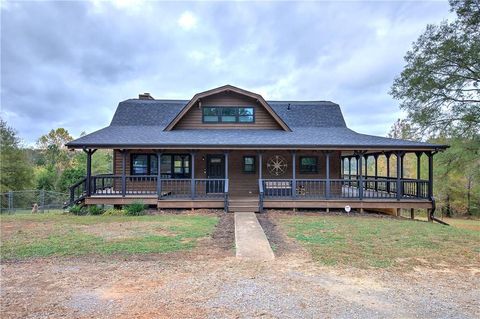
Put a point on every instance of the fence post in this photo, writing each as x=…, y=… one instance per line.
x=42, y=199
x=10, y=202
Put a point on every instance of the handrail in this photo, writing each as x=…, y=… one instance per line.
x=260, y=195
x=225, y=190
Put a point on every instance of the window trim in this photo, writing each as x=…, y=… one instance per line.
x=173, y=175
x=302, y=169
x=149, y=163
x=237, y=115
x=254, y=164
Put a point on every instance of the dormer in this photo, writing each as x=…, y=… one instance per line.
x=227, y=107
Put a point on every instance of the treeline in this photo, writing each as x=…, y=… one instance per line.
x=47, y=166
x=456, y=170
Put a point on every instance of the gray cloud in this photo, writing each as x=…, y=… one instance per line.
x=69, y=63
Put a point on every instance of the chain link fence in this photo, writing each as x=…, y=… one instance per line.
x=31, y=201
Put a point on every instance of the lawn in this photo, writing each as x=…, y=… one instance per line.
x=54, y=234
x=383, y=242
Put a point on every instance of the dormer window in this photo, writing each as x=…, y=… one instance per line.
x=224, y=114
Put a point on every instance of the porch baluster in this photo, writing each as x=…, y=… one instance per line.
x=192, y=174
x=159, y=175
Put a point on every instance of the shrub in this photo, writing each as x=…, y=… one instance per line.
x=135, y=209
x=95, y=210
x=115, y=212
x=77, y=210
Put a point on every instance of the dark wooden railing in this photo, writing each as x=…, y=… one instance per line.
x=168, y=188
x=369, y=188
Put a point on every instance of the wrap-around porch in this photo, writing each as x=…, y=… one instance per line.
x=258, y=179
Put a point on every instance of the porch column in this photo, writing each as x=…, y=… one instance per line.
x=366, y=166
x=342, y=167
x=226, y=165
x=327, y=174
x=399, y=174
x=159, y=174
x=419, y=173
x=192, y=175
x=360, y=175
x=124, y=174
x=387, y=156
x=294, y=173
x=375, y=157
x=88, y=185
x=260, y=164
x=430, y=175
x=350, y=170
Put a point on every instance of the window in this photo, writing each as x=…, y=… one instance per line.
x=308, y=164
x=172, y=165
x=245, y=114
x=228, y=115
x=144, y=164
x=249, y=164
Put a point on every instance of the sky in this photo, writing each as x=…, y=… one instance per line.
x=68, y=64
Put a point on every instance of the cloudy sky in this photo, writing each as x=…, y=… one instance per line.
x=68, y=64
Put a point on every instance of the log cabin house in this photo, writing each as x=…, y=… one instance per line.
x=229, y=148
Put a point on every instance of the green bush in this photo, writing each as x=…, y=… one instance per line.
x=95, y=210
x=77, y=210
x=135, y=209
x=115, y=212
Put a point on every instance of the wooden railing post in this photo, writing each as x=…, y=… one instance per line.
x=327, y=174
x=350, y=171
x=192, y=173
x=124, y=174
x=375, y=157
x=159, y=175
x=360, y=175
x=399, y=156
x=387, y=156
x=294, y=171
x=419, y=175
x=430, y=175
x=89, y=170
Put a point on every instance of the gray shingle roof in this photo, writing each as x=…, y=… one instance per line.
x=141, y=123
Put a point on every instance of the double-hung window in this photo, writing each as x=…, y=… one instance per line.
x=249, y=164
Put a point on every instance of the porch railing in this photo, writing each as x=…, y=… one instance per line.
x=118, y=185
x=370, y=188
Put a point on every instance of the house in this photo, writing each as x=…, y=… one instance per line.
x=230, y=148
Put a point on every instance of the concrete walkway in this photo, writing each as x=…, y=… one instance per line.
x=250, y=240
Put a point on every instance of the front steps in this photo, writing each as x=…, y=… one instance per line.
x=243, y=205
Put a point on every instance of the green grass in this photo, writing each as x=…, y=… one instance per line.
x=43, y=235
x=382, y=242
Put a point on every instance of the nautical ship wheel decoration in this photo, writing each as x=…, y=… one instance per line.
x=277, y=165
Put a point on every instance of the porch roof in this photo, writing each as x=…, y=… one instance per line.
x=300, y=137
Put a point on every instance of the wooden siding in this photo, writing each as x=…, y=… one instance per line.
x=193, y=118
x=240, y=182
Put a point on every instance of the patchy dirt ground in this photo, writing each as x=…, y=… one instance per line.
x=209, y=282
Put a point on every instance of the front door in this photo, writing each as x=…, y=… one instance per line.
x=215, y=170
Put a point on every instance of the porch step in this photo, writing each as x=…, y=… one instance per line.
x=241, y=209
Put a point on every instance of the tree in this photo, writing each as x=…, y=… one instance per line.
x=402, y=129
x=15, y=170
x=53, y=148
x=440, y=85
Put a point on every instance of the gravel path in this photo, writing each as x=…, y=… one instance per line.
x=210, y=282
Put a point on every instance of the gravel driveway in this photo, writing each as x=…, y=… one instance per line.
x=210, y=283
